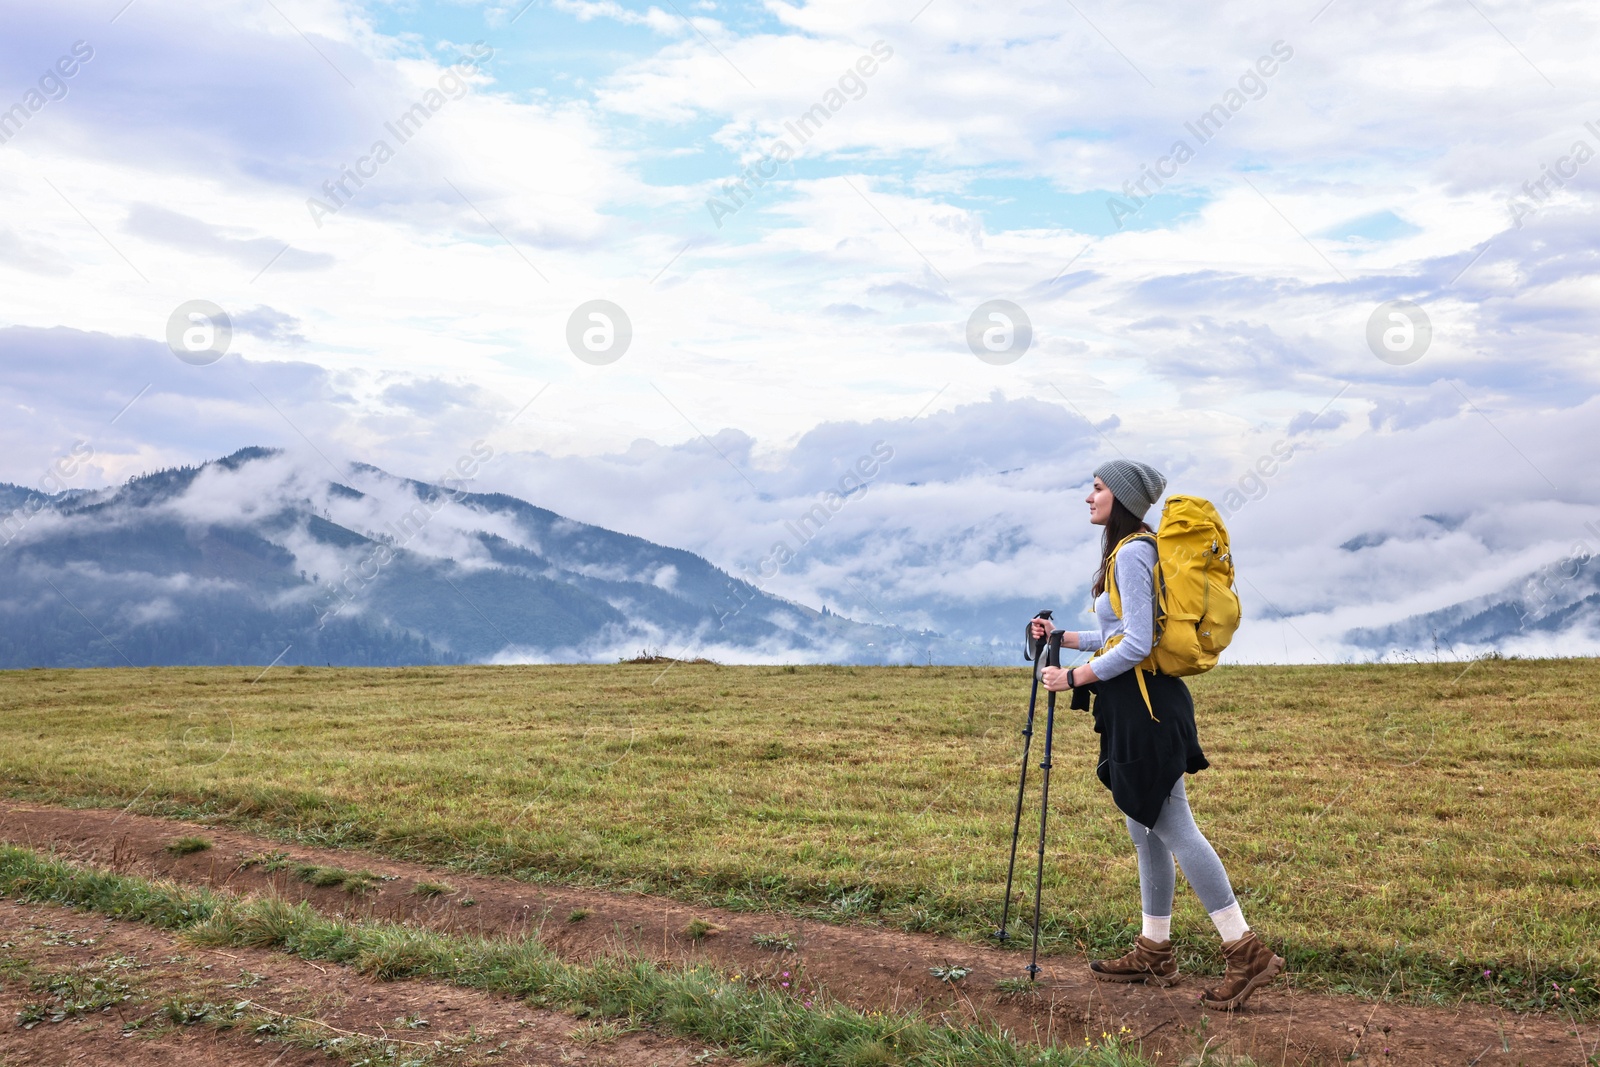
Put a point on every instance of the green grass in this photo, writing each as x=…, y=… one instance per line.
x=188, y=846
x=696, y=1002
x=1398, y=827
x=270, y=862
x=775, y=942
x=355, y=882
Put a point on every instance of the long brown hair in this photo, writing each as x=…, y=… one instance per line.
x=1121, y=523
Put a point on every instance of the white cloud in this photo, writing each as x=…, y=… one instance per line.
x=588, y=10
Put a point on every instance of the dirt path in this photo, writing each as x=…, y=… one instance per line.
x=457, y=1027
x=865, y=966
x=54, y=941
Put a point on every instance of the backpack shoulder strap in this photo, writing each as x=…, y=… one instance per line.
x=1116, y=605
x=1111, y=567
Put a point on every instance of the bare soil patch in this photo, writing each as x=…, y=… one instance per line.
x=868, y=967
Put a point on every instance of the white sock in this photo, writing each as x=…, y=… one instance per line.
x=1230, y=922
x=1158, y=928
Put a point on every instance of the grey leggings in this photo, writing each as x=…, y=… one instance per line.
x=1176, y=836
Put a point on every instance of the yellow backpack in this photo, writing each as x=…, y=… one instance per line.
x=1196, y=611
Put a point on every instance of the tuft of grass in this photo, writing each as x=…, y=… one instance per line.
x=592, y=1034
x=329, y=877
x=270, y=862
x=699, y=929
x=775, y=942
x=577, y=915
x=874, y=1052
x=1016, y=986
x=188, y=846
x=181, y=1012
x=856, y=902
x=320, y=877
x=429, y=890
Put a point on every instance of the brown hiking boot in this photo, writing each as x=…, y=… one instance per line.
x=1250, y=964
x=1150, y=961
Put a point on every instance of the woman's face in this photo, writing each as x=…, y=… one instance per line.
x=1099, y=501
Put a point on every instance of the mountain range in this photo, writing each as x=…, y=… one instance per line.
x=1539, y=610
x=257, y=558
x=253, y=559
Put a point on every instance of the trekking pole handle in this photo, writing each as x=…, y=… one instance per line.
x=1031, y=648
x=1052, y=656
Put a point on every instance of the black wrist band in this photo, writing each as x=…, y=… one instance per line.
x=1070, y=683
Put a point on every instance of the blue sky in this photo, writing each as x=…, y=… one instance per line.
x=1192, y=308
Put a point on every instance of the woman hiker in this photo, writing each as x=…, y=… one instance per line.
x=1145, y=751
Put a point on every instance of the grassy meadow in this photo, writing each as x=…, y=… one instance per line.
x=1394, y=827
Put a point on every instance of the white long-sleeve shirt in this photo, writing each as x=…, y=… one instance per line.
x=1136, y=564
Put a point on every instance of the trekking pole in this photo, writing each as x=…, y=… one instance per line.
x=1052, y=659
x=1027, y=741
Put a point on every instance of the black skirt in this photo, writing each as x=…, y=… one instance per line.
x=1141, y=759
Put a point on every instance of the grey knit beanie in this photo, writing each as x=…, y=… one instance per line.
x=1137, y=486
